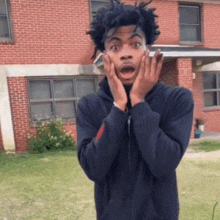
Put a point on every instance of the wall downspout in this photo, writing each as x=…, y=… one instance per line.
x=5, y=114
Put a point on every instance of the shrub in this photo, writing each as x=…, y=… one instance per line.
x=50, y=136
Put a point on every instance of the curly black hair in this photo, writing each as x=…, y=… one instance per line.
x=118, y=14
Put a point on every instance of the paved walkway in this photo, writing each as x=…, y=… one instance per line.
x=213, y=155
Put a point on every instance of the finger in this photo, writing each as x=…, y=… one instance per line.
x=147, y=62
x=154, y=62
x=159, y=65
x=113, y=79
x=106, y=65
x=142, y=66
x=112, y=70
x=112, y=74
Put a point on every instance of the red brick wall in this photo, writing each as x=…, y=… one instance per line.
x=169, y=73
x=19, y=108
x=198, y=96
x=48, y=32
x=168, y=21
x=53, y=31
x=211, y=20
x=184, y=78
x=212, y=120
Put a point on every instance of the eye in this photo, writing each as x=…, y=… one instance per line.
x=115, y=47
x=136, y=45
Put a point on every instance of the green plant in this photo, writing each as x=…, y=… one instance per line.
x=50, y=136
x=213, y=212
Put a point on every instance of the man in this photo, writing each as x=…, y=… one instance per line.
x=133, y=133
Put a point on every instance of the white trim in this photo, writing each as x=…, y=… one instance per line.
x=198, y=1
x=170, y=45
x=49, y=70
x=210, y=67
x=189, y=53
x=5, y=114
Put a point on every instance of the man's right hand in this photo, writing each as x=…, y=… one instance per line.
x=116, y=86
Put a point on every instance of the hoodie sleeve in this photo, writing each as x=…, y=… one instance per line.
x=163, y=146
x=98, y=147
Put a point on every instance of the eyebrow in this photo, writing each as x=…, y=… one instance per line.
x=130, y=38
x=113, y=38
x=136, y=35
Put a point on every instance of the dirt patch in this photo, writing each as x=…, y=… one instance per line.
x=45, y=159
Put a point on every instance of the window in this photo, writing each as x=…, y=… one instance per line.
x=5, y=27
x=190, y=23
x=95, y=5
x=211, y=89
x=58, y=96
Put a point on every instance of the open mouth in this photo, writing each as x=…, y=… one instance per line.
x=127, y=72
x=127, y=69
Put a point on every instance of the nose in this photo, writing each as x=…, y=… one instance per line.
x=126, y=53
x=126, y=57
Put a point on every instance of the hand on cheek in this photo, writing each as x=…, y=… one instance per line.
x=116, y=86
x=147, y=77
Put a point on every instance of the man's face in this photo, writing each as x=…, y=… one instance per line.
x=125, y=47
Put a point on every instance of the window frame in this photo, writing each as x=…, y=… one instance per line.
x=217, y=90
x=52, y=99
x=185, y=4
x=90, y=6
x=9, y=19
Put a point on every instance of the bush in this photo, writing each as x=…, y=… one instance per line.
x=50, y=136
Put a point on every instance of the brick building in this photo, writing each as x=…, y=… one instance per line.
x=45, y=64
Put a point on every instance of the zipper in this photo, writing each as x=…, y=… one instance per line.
x=129, y=140
x=129, y=155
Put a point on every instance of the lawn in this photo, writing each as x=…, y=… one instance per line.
x=48, y=186
x=205, y=145
x=53, y=186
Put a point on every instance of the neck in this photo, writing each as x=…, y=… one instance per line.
x=128, y=89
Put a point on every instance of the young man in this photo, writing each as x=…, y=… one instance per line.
x=133, y=133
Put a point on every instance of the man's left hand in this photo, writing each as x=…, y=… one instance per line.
x=147, y=77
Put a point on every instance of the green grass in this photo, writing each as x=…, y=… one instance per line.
x=44, y=186
x=206, y=146
x=198, y=182
x=53, y=186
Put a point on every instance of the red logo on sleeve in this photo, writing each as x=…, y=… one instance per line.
x=100, y=132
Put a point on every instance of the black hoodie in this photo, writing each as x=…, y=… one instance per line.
x=132, y=156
